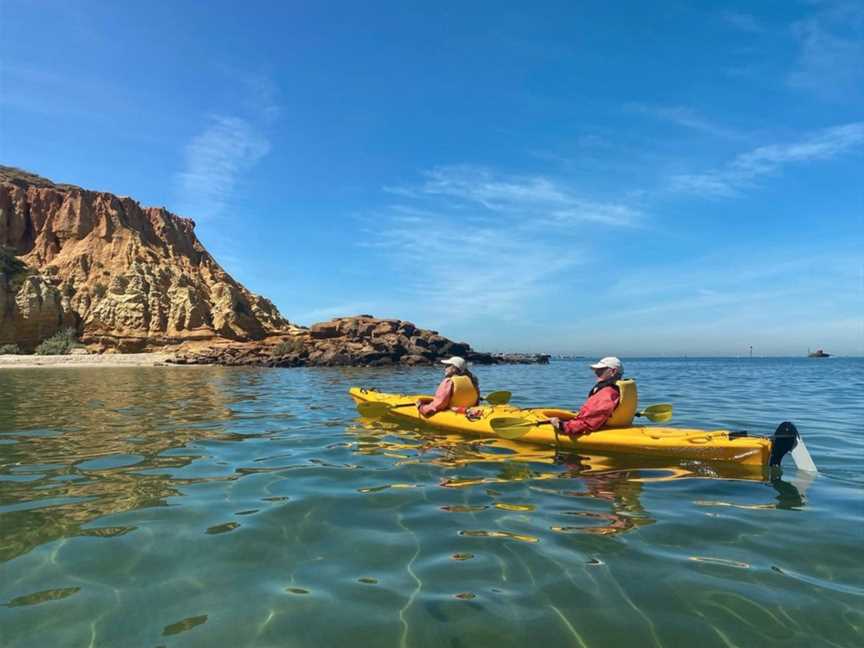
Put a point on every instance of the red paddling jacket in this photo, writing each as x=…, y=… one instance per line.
x=602, y=401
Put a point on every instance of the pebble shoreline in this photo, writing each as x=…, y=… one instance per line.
x=156, y=359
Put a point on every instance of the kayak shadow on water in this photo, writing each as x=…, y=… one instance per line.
x=617, y=481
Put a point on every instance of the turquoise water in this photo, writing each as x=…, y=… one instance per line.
x=193, y=506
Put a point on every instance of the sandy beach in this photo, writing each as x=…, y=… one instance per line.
x=85, y=360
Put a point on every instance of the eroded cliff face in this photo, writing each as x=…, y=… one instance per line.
x=125, y=276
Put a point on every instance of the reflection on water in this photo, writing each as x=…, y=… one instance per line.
x=69, y=464
x=614, y=479
x=208, y=506
x=514, y=462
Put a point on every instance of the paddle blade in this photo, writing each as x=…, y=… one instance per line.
x=511, y=427
x=373, y=410
x=801, y=457
x=659, y=413
x=498, y=397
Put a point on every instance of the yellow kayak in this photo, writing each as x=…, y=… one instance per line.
x=646, y=440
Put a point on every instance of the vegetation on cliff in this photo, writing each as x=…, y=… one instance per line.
x=10, y=265
x=61, y=343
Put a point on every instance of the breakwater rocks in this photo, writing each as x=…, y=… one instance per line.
x=351, y=341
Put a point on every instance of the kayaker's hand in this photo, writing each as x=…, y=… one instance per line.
x=473, y=413
x=556, y=423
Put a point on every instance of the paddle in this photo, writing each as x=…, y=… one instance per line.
x=498, y=397
x=514, y=427
x=379, y=409
x=659, y=413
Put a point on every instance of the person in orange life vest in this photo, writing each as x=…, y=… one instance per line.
x=459, y=390
x=602, y=400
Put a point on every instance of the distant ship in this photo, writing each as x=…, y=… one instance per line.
x=818, y=353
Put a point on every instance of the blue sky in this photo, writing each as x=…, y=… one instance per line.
x=587, y=177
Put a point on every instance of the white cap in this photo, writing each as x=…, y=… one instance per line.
x=457, y=362
x=610, y=362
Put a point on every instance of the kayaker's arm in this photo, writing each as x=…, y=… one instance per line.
x=441, y=401
x=593, y=414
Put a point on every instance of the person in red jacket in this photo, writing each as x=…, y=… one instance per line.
x=602, y=400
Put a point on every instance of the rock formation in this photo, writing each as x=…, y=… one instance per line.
x=125, y=276
x=358, y=341
x=131, y=278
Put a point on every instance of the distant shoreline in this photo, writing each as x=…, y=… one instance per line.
x=163, y=359
x=156, y=359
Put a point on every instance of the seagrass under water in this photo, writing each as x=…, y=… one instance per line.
x=192, y=506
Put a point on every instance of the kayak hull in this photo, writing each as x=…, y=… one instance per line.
x=647, y=440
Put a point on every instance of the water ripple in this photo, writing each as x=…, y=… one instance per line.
x=221, y=506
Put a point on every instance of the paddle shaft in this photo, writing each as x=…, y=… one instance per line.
x=498, y=394
x=514, y=429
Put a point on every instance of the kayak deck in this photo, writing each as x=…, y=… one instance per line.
x=649, y=440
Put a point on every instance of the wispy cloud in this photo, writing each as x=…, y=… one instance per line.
x=536, y=197
x=745, y=169
x=702, y=302
x=229, y=145
x=457, y=271
x=749, y=280
x=262, y=96
x=471, y=242
x=214, y=162
x=831, y=51
x=686, y=118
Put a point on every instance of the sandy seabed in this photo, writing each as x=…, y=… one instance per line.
x=86, y=360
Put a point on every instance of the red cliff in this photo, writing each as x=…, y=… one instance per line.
x=124, y=276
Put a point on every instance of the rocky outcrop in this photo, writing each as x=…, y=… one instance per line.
x=125, y=276
x=352, y=341
x=132, y=278
x=31, y=309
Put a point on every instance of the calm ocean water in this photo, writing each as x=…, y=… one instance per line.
x=194, y=506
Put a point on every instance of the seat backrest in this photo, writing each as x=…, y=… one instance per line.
x=626, y=410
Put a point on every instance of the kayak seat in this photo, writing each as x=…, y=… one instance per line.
x=626, y=410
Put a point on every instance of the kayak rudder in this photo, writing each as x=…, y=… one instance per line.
x=787, y=439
